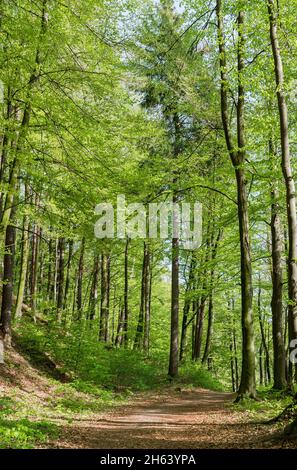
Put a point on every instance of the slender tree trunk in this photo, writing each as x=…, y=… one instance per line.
x=23, y=267
x=187, y=305
x=55, y=272
x=94, y=288
x=79, y=295
x=60, y=277
x=126, y=297
x=183, y=339
x=68, y=272
x=121, y=319
x=201, y=307
x=7, y=291
x=140, y=325
x=143, y=325
x=264, y=342
x=232, y=364
x=50, y=269
x=261, y=375
x=210, y=301
x=34, y=267
x=279, y=352
x=174, y=332
x=248, y=379
x=235, y=357
x=199, y=327
x=147, y=303
x=105, y=291
x=209, y=328
x=288, y=176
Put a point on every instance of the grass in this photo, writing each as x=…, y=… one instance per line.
x=22, y=433
x=270, y=404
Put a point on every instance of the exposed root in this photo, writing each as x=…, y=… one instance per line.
x=246, y=396
x=288, y=414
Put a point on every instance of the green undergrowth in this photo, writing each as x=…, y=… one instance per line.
x=80, y=377
x=89, y=364
x=20, y=432
x=269, y=405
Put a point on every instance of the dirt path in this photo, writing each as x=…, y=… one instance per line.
x=176, y=419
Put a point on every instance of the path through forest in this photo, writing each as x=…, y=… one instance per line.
x=176, y=419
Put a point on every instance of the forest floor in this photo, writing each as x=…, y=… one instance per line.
x=39, y=408
x=175, y=419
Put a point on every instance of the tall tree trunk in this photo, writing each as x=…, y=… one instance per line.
x=7, y=291
x=94, y=288
x=140, y=325
x=183, y=339
x=126, y=292
x=121, y=319
x=261, y=375
x=288, y=176
x=210, y=300
x=232, y=363
x=60, y=277
x=199, y=327
x=187, y=305
x=200, y=307
x=248, y=378
x=105, y=294
x=264, y=342
x=24, y=265
x=34, y=267
x=279, y=352
x=174, y=330
x=79, y=295
x=147, y=303
x=67, y=281
x=144, y=308
x=209, y=328
x=236, y=358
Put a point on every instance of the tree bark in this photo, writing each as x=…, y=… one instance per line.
x=60, y=277
x=34, y=265
x=210, y=300
x=79, y=296
x=126, y=295
x=144, y=310
x=279, y=352
x=187, y=305
x=174, y=330
x=67, y=281
x=7, y=291
x=264, y=342
x=105, y=291
x=288, y=177
x=24, y=265
x=147, y=303
x=248, y=379
x=94, y=288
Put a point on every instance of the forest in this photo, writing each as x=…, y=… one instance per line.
x=105, y=322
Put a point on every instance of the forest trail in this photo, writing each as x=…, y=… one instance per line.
x=176, y=419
